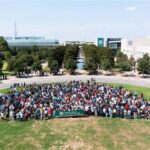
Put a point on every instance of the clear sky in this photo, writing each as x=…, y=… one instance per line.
x=76, y=19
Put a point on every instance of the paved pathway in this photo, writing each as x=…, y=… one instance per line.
x=100, y=78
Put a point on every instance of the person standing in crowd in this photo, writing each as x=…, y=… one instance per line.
x=42, y=101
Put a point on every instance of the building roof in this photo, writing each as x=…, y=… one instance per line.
x=31, y=41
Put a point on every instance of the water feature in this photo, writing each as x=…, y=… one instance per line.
x=80, y=59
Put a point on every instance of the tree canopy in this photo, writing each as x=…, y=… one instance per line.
x=71, y=65
x=3, y=44
x=144, y=64
x=122, y=62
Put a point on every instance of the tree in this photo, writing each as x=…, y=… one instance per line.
x=56, y=54
x=71, y=65
x=125, y=66
x=1, y=65
x=71, y=52
x=91, y=66
x=54, y=68
x=34, y=48
x=105, y=55
x=10, y=66
x=28, y=59
x=91, y=58
x=3, y=44
x=19, y=67
x=90, y=51
x=144, y=64
x=106, y=64
x=36, y=67
x=132, y=62
x=122, y=62
x=7, y=55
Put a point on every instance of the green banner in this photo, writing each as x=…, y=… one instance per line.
x=73, y=113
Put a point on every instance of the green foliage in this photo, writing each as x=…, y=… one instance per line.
x=90, y=51
x=106, y=64
x=70, y=53
x=105, y=55
x=144, y=64
x=132, y=61
x=121, y=57
x=91, y=65
x=7, y=55
x=1, y=65
x=37, y=66
x=54, y=68
x=71, y=65
x=70, y=56
x=98, y=56
x=28, y=59
x=19, y=65
x=124, y=66
x=56, y=54
x=3, y=44
x=91, y=58
x=122, y=62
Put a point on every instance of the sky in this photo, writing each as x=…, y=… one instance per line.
x=75, y=19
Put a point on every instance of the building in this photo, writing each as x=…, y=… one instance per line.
x=100, y=42
x=29, y=41
x=136, y=48
x=113, y=43
x=78, y=43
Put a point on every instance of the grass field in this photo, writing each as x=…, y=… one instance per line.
x=76, y=134
x=5, y=91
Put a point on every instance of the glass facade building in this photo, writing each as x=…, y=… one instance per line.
x=100, y=42
x=25, y=41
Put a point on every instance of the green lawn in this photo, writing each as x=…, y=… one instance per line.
x=8, y=73
x=5, y=91
x=76, y=134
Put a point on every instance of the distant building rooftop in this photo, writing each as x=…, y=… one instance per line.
x=78, y=42
x=28, y=41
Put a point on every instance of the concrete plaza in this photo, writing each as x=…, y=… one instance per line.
x=143, y=82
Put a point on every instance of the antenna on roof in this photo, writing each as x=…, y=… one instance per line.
x=15, y=31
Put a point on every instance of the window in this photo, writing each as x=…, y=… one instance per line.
x=130, y=43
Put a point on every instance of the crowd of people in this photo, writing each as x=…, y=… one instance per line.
x=42, y=101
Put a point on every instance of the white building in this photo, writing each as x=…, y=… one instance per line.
x=78, y=43
x=136, y=48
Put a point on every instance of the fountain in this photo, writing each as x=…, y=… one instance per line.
x=80, y=59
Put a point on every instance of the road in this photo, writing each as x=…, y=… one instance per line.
x=143, y=82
